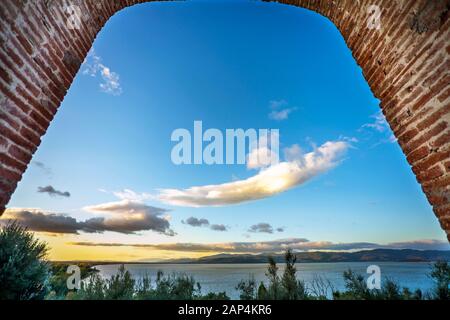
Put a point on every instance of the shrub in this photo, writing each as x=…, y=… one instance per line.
x=120, y=286
x=58, y=279
x=123, y=286
x=247, y=289
x=274, y=290
x=440, y=273
x=24, y=270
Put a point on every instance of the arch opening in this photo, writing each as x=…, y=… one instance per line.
x=405, y=62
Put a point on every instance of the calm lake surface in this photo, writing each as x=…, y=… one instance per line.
x=225, y=277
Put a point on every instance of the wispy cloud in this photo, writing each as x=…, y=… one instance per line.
x=202, y=222
x=53, y=192
x=122, y=217
x=277, y=104
x=110, y=80
x=297, y=244
x=379, y=122
x=128, y=194
x=43, y=167
x=268, y=182
x=280, y=110
x=379, y=125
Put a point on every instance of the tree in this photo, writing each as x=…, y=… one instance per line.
x=391, y=290
x=214, y=296
x=58, y=280
x=274, y=280
x=289, y=280
x=24, y=269
x=92, y=289
x=247, y=289
x=356, y=288
x=262, y=292
x=120, y=286
x=440, y=273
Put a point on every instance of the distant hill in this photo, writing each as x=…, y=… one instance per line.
x=376, y=255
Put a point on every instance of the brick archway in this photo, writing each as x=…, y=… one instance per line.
x=406, y=64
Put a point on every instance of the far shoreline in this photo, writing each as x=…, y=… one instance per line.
x=363, y=256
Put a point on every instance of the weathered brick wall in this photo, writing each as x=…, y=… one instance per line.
x=406, y=63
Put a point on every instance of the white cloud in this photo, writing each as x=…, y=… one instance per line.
x=261, y=158
x=378, y=127
x=264, y=153
x=277, y=113
x=293, y=152
x=128, y=194
x=275, y=104
x=349, y=139
x=281, y=114
x=111, y=80
x=268, y=182
x=379, y=122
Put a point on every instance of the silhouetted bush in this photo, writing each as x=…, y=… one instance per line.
x=123, y=286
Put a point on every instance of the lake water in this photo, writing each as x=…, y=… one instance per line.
x=225, y=277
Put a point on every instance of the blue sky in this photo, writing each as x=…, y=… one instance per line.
x=224, y=62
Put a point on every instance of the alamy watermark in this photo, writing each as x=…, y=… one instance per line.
x=74, y=280
x=374, y=19
x=374, y=280
x=236, y=146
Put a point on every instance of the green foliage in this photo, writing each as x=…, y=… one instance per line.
x=292, y=289
x=356, y=289
x=25, y=274
x=286, y=288
x=58, y=279
x=391, y=290
x=24, y=270
x=214, y=296
x=123, y=286
x=120, y=286
x=93, y=288
x=262, y=293
x=247, y=288
x=274, y=290
x=440, y=273
x=176, y=287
